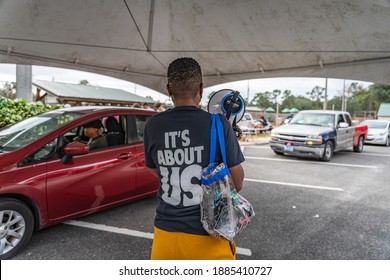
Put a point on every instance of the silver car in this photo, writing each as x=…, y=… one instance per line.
x=378, y=132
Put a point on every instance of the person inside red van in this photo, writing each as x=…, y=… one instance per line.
x=93, y=130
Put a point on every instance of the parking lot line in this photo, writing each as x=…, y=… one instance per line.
x=136, y=233
x=369, y=154
x=259, y=147
x=314, y=162
x=294, y=185
x=124, y=231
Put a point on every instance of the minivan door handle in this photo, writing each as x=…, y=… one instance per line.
x=125, y=156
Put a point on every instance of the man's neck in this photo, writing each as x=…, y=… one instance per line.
x=186, y=102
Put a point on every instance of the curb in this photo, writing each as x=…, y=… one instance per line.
x=261, y=143
x=258, y=143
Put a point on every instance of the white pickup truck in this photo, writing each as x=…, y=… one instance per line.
x=318, y=133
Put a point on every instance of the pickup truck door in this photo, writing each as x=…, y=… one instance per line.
x=350, y=131
x=344, y=134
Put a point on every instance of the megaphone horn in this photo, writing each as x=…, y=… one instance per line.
x=227, y=102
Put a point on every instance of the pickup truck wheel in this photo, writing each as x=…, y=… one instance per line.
x=16, y=228
x=328, y=151
x=360, y=145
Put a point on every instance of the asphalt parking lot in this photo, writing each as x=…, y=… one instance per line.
x=305, y=209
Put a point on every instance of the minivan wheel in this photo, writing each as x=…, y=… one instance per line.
x=328, y=151
x=17, y=225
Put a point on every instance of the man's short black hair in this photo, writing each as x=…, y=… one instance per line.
x=184, y=77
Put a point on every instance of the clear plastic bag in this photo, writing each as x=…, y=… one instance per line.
x=224, y=212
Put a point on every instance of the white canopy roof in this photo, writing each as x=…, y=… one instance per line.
x=135, y=40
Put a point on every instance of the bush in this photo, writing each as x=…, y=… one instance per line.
x=12, y=111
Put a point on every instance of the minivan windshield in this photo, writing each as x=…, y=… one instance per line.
x=317, y=119
x=21, y=134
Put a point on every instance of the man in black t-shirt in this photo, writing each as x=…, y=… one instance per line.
x=177, y=144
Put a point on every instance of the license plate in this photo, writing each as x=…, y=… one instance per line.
x=289, y=148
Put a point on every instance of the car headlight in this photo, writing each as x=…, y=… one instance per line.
x=314, y=140
x=314, y=137
x=275, y=136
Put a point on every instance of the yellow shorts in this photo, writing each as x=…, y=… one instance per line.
x=184, y=246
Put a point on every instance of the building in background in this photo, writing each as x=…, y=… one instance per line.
x=384, y=112
x=77, y=95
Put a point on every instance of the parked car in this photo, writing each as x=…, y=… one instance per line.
x=378, y=132
x=46, y=177
x=318, y=134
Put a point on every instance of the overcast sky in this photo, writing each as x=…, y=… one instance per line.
x=296, y=85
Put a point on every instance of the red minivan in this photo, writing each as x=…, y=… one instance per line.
x=46, y=177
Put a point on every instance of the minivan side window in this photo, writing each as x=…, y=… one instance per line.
x=115, y=127
x=44, y=153
x=132, y=136
x=113, y=130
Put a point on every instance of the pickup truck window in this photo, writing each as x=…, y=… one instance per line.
x=317, y=119
x=340, y=119
x=348, y=119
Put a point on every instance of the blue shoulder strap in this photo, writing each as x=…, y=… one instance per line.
x=213, y=139
x=216, y=127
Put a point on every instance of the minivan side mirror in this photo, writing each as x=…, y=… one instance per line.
x=74, y=149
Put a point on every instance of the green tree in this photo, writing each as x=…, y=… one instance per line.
x=316, y=94
x=371, y=98
x=16, y=110
x=263, y=100
x=289, y=100
x=381, y=93
x=335, y=103
x=303, y=103
x=276, y=93
x=286, y=94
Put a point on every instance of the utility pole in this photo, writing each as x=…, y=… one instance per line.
x=326, y=94
x=343, y=107
x=24, y=82
x=247, y=93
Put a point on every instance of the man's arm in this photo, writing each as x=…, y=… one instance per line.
x=237, y=173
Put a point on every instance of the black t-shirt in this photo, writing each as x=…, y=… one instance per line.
x=177, y=143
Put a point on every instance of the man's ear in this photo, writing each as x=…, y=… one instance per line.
x=168, y=89
x=201, y=89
